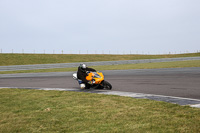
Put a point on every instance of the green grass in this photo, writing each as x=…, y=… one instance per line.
x=60, y=111
x=25, y=59
x=177, y=64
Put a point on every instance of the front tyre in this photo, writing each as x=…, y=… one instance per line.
x=107, y=85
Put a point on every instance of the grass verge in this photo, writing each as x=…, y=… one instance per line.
x=60, y=111
x=26, y=59
x=177, y=64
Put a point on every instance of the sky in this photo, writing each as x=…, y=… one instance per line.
x=99, y=26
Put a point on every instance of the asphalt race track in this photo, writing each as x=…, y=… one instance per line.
x=178, y=82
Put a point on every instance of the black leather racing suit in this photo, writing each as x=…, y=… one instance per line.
x=81, y=74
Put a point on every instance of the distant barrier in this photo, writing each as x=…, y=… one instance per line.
x=120, y=52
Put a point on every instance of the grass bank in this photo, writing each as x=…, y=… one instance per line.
x=58, y=111
x=26, y=59
x=177, y=64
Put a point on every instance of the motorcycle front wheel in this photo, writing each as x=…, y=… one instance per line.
x=107, y=85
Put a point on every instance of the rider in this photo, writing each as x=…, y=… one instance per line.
x=81, y=74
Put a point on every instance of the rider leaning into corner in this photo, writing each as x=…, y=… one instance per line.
x=81, y=75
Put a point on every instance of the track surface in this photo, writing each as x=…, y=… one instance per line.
x=68, y=65
x=179, y=82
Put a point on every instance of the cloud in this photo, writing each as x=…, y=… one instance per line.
x=115, y=24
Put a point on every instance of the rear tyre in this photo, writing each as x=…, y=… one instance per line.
x=107, y=85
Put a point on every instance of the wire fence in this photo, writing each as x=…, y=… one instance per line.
x=23, y=51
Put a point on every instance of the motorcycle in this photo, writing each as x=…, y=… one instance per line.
x=97, y=79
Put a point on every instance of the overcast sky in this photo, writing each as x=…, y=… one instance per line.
x=118, y=26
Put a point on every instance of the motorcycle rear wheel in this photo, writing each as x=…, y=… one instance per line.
x=107, y=85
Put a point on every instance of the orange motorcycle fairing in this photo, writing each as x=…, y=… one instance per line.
x=98, y=79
